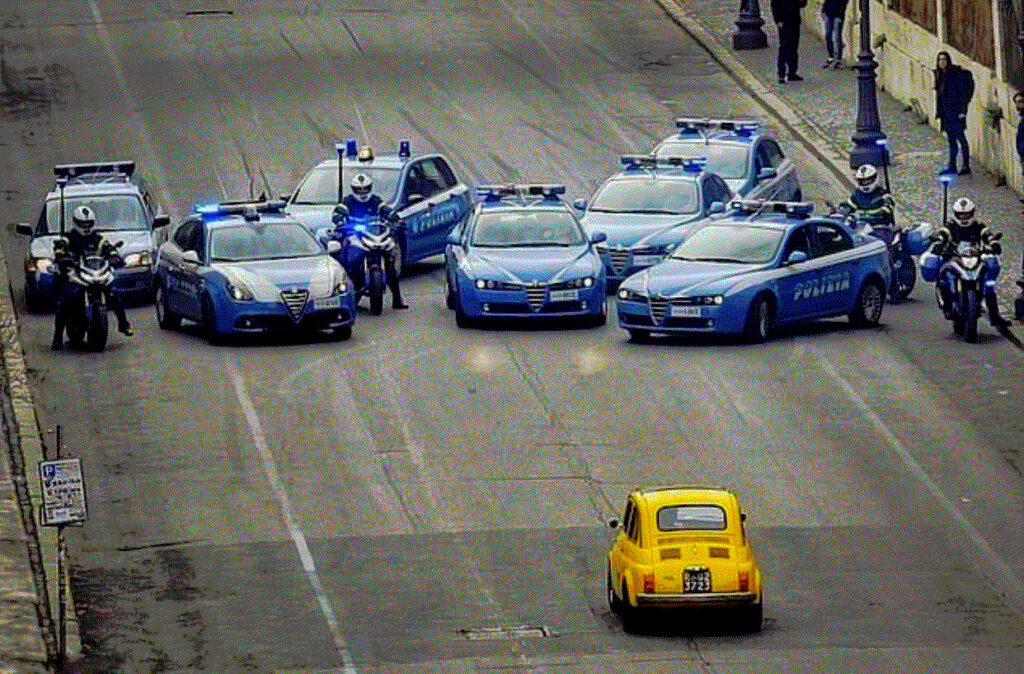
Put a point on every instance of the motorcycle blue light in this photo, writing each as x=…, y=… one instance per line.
x=351, y=149
x=404, y=149
x=208, y=209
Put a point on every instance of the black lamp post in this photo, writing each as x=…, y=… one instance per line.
x=867, y=148
x=749, y=34
x=1018, y=304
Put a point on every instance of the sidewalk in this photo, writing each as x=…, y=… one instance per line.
x=821, y=112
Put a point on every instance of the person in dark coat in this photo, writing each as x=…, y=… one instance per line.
x=1018, y=102
x=786, y=14
x=954, y=87
x=833, y=13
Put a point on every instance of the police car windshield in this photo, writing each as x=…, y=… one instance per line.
x=523, y=228
x=655, y=196
x=120, y=212
x=321, y=185
x=262, y=242
x=728, y=160
x=744, y=244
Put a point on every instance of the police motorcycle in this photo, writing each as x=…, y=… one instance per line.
x=87, y=323
x=965, y=277
x=364, y=244
x=904, y=246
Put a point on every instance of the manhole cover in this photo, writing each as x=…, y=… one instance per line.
x=496, y=633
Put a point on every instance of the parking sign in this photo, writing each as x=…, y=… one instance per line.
x=63, y=492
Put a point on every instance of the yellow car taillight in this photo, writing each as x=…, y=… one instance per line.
x=744, y=581
x=649, y=583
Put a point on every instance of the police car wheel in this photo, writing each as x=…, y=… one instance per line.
x=210, y=323
x=165, y=318
x=868, y=309
x=760, y=319
x=449, y=295
x=344, y=332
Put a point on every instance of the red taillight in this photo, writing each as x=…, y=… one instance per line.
x=744, y=581
x=649, y=583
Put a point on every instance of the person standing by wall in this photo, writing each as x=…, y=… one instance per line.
x=786, y=14
x=833, y=13
x=954, y=88
x=1018, y=102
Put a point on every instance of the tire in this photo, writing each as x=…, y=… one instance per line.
x=614, y=603
x=96, y=333
x=868, y=309
x=639, y=336
x=375, y=290
x=449, y=294
x=165, y=318
x=760, y=320
x=629, y=614
x=343, y=333
x=213, y=336
x=751, y=617
x=971, y=311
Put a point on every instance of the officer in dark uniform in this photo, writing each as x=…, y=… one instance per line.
x=83, y=239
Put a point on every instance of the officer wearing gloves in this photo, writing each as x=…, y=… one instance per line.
x=363, y=204
x=964, y=227
x=83, y=239
x=872, y=203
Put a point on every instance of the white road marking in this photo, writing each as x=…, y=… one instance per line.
x=1010, y=578
x=153, y=163
x=286, y=513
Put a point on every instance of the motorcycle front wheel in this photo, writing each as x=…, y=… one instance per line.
x=970, y=319
x=96, y=336
x=375, y=285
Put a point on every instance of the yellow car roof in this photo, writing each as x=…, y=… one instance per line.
x=658, y=497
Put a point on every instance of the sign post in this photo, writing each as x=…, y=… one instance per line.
x=63, y=490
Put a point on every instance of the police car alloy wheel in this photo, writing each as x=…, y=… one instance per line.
x=165, y=318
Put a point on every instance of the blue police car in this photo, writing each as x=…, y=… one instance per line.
x=125, y=214
x=244, y=267
x=523, y=254
x=648, y=208
x=423, y=190
x=763, y=265
x=751, y=162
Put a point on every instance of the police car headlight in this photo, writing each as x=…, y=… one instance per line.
x=239, y=292
x=710, y=299
x=340, y=288
x=587, y=282
x=142, y=259
x=487, y=284
x=38, y=265
x=630, y=295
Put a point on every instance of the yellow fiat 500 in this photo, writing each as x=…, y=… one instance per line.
x=682, y=547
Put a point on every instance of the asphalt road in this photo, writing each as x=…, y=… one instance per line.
x=367, y=505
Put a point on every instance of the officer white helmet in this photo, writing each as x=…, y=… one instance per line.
x=866, y=177
x=963, y=211
x=83, y=220
x=362, y=185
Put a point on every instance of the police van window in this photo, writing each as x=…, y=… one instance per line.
x=797, y=241
x=715, y=189
x=415, y=182
x=761, y=158
x=433, y=178
x=446, y=172
x=832, y=240
x=183, y=235
x=774, y=153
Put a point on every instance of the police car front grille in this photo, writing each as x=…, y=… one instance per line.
x=295, y=301
x=619, y=259
x=658, y=307
x=536, y=296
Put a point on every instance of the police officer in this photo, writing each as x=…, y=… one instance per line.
x=964, y=227
x=362, y=203
x=81, y=240
x=872, y=203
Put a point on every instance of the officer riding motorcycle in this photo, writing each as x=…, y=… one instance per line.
x=964, y=228
x=83, y=239
x=363, y=205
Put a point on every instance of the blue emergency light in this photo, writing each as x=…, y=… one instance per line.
x=124, y=169
x=404, y=149
x=701, y=125
x=351, y=148
x=793, y=209
x=493, y=193
x=250, y=210
x=637, y=161
x=688, y=164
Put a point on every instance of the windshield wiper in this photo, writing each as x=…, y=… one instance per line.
x=721, y=259
x=654, y=211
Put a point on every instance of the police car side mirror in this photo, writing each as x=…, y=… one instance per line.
x=598, y=237
x=454, y=239
x=190, y=257
x=796, y=257
x=716, y=208
x=23, y=228
x=333, y=246
x=613, y=523
x=161, y=221
x=580, y=204
x=414, y=198
x=767, y=173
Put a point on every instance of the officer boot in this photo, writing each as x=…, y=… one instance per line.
x=123, y=326
x=396, y=298
x=57, y=343
x=992, y=307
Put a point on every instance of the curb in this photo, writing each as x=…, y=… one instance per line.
x=26, y=449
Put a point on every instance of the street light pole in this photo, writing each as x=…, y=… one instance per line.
x=749, y=34
x=867, y=149
x=1018, y=304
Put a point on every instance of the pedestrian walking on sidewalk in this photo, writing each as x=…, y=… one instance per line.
x=786, y=14
x=954, y=88
x=833, y=13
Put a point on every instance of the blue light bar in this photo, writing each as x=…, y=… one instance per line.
x=742, y=127
x=351, y=148
x=247, y=209
x=634, y=161
x=688, y=164
x=498, y=192
x=794, y=209
x=404, y=149
x=68, y=171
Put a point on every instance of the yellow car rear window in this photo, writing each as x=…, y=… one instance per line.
x=691, y=518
